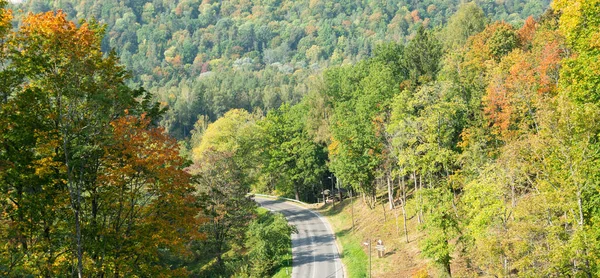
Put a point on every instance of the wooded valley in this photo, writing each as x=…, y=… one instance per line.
x=132, y=132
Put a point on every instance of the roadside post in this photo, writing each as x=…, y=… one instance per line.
x=380, y=248
x=368, y=243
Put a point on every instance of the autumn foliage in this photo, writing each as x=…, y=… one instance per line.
x=524, y=80
x=88, y=184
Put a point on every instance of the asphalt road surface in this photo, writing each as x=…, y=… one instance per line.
x=313, y=247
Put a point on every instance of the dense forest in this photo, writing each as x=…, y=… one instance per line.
x=91, y=186
x=480, y=117
x=203, y=58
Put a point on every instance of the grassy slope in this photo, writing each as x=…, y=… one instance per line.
x=401, y=259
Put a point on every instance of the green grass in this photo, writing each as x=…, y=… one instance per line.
x=353, y=256
x=286, y=270
x=261, y=210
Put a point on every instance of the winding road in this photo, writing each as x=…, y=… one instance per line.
x=314, y=251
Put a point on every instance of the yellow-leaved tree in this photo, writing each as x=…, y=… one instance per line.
x=89, y=187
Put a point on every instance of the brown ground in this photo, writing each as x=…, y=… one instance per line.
x=401, y=259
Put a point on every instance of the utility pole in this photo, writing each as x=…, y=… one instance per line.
x=323, y=192
x=333, y=195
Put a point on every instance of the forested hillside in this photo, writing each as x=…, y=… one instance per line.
x=206, y=57
x=91, y=186
x=482, y=131
x=478, y=123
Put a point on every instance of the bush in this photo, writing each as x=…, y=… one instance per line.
x=268, y=242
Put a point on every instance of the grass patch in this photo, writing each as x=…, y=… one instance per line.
x=353, y=256
x=262, y=211
x=286, y=270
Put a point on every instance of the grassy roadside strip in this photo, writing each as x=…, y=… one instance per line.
x=351, y=251
x=353, y=257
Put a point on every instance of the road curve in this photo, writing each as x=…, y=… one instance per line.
x=313, y=248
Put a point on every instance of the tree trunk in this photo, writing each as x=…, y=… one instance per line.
x=352, y=208
x=79, y=247
x=513, y=193
x=323, y=193
x=403, y=205
x=581, y=222
x=580, y=206
x=74, y=190
x=384, y=213
x=414, y=174
x=390, y=192
x=374, y=197
x=421, y=198
x=75, y=194
x=397, y=226
x=448, y=269
x=339, y=189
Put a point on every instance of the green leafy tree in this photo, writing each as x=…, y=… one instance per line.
x=422, y=57
x=293, y=159
x=64, y=113
x=359, y=95
x=269, y=241
x=228, y=209
x=468, y=20
x=441, y=226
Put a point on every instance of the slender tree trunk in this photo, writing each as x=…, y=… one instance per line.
x=74, y=190
x=417, y=193
x=390, y=192
x=384, y=213
x=448, y=269
x=397, y=226
x=352, y=208
x=580, y=206
x=79, y=247
x=513, y=193
x=75, y=194
x=323, y=193
x=581, y=222
x=403, y=205
x=374, y=195
x=339, y=189
x=421, y=198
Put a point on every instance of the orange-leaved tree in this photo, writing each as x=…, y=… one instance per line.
x=148, y=206
x=62, y=120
